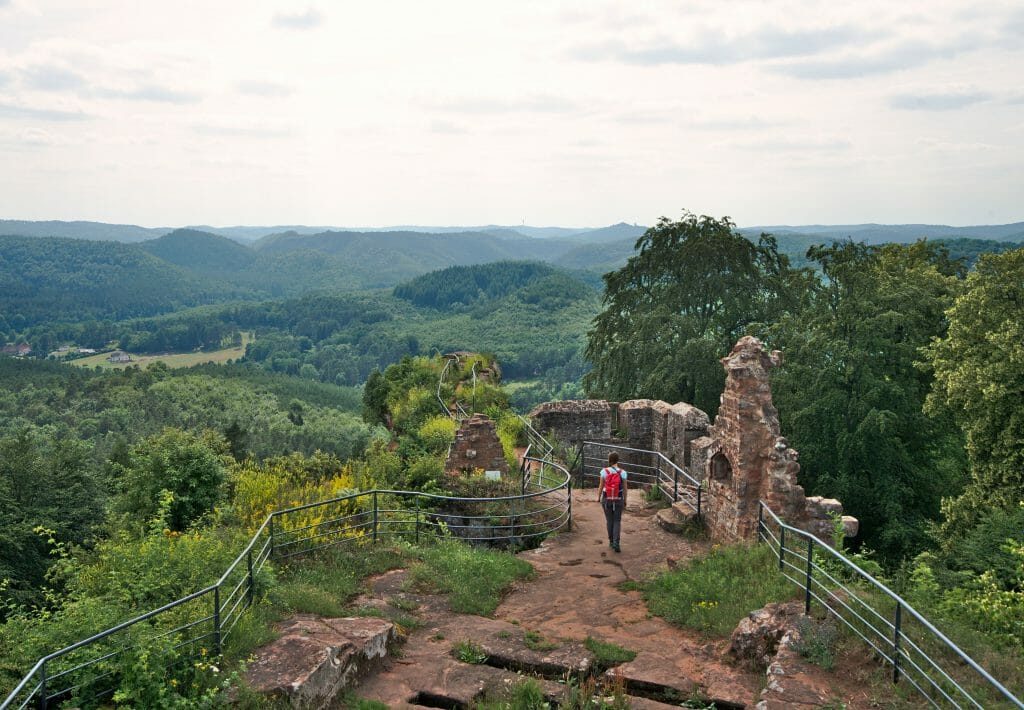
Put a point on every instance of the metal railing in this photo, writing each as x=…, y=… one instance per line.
x=917, y=651
x=199, y=624
x=535, y=439
x=645, y=467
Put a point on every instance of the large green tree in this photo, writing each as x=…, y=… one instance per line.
x=693, y=288
x=851, y=398
x=979, y=377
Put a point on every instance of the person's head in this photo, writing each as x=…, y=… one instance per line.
x=613, y=459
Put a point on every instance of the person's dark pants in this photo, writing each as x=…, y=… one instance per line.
x=613, y=516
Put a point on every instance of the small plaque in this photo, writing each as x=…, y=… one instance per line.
x=492, y=475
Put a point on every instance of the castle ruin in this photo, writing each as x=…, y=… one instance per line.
x=740, y=458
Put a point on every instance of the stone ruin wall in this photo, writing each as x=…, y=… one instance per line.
x=476, y=446
x=741, y=457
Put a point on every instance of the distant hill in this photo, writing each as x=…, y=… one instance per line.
x=46, y=278
x=614, y=233
x=97, y=231
x=201, y=251
x=896, y=233
x=459, y=287
x=386, y=258
x=599, y=258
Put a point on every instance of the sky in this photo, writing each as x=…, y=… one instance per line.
x=538, y=112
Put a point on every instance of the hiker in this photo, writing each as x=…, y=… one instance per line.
x=612, y=497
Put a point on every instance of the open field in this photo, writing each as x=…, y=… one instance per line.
x=172, y=360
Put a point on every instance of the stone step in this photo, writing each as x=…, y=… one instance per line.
x=677, y=518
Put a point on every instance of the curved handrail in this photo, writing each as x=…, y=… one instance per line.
x=39, y=694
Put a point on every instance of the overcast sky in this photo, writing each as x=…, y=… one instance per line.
x=386, y=112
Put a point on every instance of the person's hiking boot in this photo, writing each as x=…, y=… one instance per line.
x=615, y=546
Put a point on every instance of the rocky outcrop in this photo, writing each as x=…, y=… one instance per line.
x=767, y=640
x=476, y=446
x=755, y=640
x=315, y=658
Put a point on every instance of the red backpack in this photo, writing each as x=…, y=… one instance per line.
x=612, y=483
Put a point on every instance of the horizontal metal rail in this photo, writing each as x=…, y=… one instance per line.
x=671, y=480
x=917, y=651
x=543, y=506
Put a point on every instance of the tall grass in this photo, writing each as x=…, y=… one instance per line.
x=712, y=594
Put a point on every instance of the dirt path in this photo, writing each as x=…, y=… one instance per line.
x=576, y=593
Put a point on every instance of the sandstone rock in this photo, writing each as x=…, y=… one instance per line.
x=755, y=641
x=315, y=658
x=790, y=685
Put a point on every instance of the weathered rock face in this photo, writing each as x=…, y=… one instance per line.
x=748, y=460
x=476, y=446
x=316, y=658
x=755, y=641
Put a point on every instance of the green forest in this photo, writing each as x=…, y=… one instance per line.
x=902, y=387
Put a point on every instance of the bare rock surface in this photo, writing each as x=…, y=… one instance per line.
x=581, y=589
x=315, y=658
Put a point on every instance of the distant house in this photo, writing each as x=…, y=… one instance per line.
x=86, y=351
x=20, y=350
x=119, y=356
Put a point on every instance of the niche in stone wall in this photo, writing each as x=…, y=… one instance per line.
x=720, y=469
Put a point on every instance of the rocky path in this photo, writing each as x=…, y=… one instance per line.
x=542, y=624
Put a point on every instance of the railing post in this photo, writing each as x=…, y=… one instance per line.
x=700, y=487
x=512, y=533
x=896, y=643
x=807, y=585
x=272, y=539
x=417, y=519
x=569, y=490
x=42, y=686
x=760, y=520
x=375, y=516
x=675, y=482
x=252, y=580
x=217, y=646
x=782, y=547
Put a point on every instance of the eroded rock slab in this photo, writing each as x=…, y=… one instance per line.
x=756, y=639
x=315, y=658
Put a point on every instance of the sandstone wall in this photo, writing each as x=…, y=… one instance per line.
x=476, y=446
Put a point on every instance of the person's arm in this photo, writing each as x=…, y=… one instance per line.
x=600, y=485
x=625, y=487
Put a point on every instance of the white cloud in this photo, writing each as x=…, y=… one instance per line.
x=308, y=20
x=768, y=42
x=940, y=101
x=264, y=88
x=39, y=113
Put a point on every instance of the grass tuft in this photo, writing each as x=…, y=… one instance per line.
x=473, y=579
x=608, y=654
x=713, y=593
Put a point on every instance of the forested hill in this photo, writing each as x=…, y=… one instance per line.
x=201, y=251
x=46, y=278
x=99, y=231
x=464, y=286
